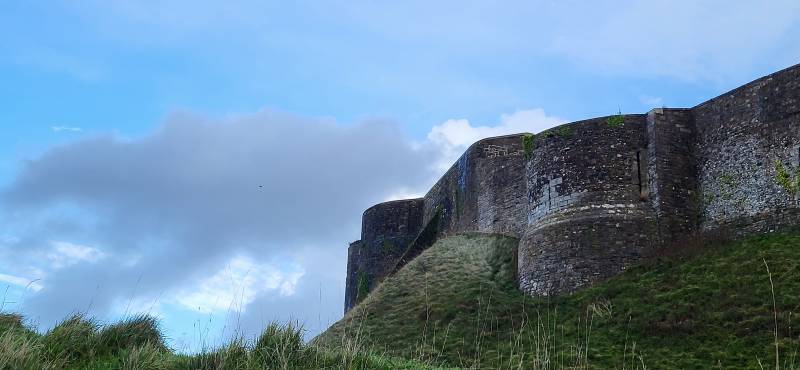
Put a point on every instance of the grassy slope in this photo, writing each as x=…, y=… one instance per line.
x=136, y=343
x=457, y=304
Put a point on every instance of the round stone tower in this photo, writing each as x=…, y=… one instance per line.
x=386, y=230
x=588, y=214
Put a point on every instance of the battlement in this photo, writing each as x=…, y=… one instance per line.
x=590, y=198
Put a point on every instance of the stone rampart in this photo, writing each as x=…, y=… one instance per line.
x=590, y=198
x=744, y=138
x=386, y=231
x=588, y=215
x=481, y=191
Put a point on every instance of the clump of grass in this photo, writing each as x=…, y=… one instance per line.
x=528, y=145
x=279, y=345
x=136, y=332
x=233, y=355
x=22, y=352
x=146, y=357
x=560, y=131
x=616, y=120
x=564, y=130
x=10, y=321
x=71, y=342
x=789, y=183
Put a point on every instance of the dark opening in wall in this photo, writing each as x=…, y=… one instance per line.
x=641, y=176
x=639, y=170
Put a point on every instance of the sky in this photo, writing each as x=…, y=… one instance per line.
x=208, y=162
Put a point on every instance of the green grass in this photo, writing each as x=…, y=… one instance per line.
x=137, y=343
x=616, y=120
x=456, y=304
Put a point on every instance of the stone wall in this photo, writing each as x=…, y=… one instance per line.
x=741, y=136
x=481, y=191
x=386, y=231
x=587, y=218
x=590, y=198
x=672, y=172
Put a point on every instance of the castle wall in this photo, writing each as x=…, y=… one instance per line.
x=386, y=230
x=741, y=135
x=587, y=219
x=672, y=172
x=590, y=198
x=483, y=190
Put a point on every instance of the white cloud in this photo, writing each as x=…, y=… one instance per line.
x=651, y=101
x=22, y=282
x=404, y=193
x=65, y=128
x=66, y=254
x=174, y=211
x=453, y=136
x=240, y=282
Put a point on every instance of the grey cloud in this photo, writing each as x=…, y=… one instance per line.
x=186, y=198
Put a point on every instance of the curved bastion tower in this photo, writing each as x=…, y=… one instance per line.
x=590, y=198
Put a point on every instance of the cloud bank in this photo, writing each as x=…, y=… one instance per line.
x=248, y=215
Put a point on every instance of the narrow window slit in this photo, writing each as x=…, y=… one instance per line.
x=639, y=170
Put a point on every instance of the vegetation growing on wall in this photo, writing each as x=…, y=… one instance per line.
x=616, y=120
x=560, y=131
x=726, y=190
x=701, y=201
x=564, y=131
x=527, y=145
x=788, y=182
x=387, y=246
x=363, y=286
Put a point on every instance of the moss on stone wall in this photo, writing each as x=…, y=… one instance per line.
x=527, y=145
x=616, y=120
x=387, y=246
x=788, y=182
x=363, y=286
x=560, y=131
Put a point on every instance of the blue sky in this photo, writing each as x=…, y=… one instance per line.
x=134, y=136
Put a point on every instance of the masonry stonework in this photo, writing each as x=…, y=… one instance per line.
x=386, y=230
x=589, y=199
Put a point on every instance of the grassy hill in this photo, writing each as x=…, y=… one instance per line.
x=137, y=344
x=457, y=304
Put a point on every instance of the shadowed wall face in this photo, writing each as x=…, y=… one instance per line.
x=672, y=172
x=386, y=231
x=588, y=211
x=483, y=191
